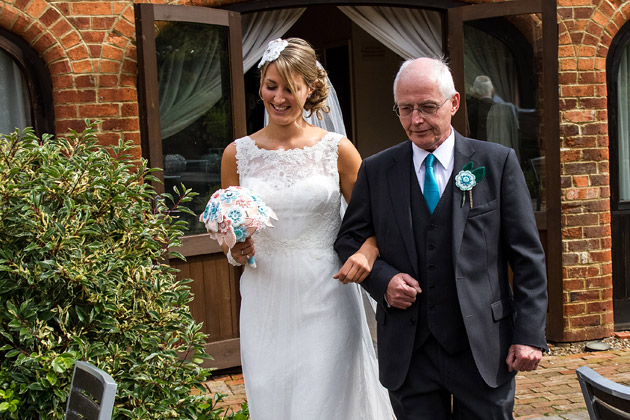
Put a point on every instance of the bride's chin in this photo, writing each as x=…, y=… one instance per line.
x=285, y=119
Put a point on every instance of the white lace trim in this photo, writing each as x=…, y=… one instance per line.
x=314, y=248
x=282, y=168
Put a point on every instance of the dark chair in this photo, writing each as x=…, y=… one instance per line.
x=605, y=399
x=92, y=394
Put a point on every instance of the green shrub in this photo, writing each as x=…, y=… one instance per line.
x=84, y=276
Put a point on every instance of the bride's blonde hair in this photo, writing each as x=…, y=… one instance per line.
x=298, y=57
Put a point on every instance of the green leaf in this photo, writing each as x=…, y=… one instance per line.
x=81, y=314
x=11, y=353
x=62, y=362
x=52, y=378
x=479, y=173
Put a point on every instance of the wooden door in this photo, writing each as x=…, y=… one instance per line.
x=192, y=105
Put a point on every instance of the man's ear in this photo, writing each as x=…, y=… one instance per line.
x=455, y=103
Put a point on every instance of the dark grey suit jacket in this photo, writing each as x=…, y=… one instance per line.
x=499, y=230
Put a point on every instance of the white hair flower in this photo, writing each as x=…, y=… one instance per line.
x=274, y=48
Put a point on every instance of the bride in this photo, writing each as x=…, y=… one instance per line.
x=306, y=350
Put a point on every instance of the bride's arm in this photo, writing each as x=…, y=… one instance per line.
x=359, y=265
x=229, y=171
x=241, y=251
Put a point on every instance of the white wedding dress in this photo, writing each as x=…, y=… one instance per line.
x=306, y=350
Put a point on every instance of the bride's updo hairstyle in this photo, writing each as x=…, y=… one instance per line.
x=298, y=58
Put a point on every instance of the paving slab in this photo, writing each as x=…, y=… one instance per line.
x=551, y=392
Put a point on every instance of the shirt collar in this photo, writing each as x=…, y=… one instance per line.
x=445, y=153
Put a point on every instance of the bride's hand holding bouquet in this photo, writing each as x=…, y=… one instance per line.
x=232, y=216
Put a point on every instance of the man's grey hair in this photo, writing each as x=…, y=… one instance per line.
x=482, y=86
x=441, y=72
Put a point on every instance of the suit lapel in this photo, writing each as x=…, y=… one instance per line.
x=399, y=177
x=463, y=154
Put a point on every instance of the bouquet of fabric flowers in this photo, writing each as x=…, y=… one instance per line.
x=235, y=213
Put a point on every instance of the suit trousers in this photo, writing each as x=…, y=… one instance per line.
x=435, y=375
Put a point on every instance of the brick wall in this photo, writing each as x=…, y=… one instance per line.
x=89, y=49
x=586, y=29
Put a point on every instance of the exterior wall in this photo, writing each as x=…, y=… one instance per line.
x=89, y=49
x=586, y=29
x=90, y=52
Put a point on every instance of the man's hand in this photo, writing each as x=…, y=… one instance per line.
x=523, y=358
x=402, y=290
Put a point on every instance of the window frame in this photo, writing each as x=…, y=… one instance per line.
x=550, y=220
x=619, y=43
x=148, y=96
x=38, y=81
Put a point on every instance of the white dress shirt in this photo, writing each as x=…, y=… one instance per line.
x=445, y=156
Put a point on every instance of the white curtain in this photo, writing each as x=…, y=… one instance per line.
x=189, y=84
x=486, y=55
x=260, y=28
x=15, y=105
x=410, y=33
x=623, y=92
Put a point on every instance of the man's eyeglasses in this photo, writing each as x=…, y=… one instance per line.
x=405, y=111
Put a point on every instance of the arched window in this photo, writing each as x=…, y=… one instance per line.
x=25, y=87
x=501, y=94
x=618, y=84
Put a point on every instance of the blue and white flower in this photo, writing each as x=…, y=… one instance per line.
x=229, y=195
x=211, y=212
x=236, y=215
x=240, y=232
x=467, y=178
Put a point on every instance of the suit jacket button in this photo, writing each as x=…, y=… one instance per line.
x=412, y=322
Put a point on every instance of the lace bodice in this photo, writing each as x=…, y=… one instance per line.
x=301, y=186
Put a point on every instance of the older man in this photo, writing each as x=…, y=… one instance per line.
x=450, y=215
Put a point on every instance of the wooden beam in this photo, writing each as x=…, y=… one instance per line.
x=226, y=354
x=501, y=9
x=551, y=127
x=263, y=5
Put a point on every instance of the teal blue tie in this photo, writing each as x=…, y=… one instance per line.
x=431, y=189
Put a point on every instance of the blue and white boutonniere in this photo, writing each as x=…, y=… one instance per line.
x=467, y=178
